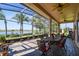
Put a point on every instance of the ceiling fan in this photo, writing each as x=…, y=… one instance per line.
x=64, y=18
x=61, y=6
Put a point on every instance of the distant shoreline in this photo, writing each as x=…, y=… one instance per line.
x=13, y=30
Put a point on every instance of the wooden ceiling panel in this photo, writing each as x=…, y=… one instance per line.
x=59, y=12
x=49, y=8
x=33, y=7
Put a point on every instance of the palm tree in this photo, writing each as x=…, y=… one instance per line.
x=20, y=17
x=54, y=26
x=2, y=17
x=38, y=23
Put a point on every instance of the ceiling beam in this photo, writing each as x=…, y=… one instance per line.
x=41, y=8
x=68, y=21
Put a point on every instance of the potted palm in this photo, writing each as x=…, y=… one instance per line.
x=2, y=39
x=4, y=47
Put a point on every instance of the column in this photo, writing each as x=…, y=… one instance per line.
x=32, y=27
x=58, y=28
x=50, y=28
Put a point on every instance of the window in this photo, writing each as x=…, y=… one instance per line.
x=54, y=26
x=14, y=13
x=66, y=27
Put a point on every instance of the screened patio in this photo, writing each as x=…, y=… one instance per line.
x=26, y=27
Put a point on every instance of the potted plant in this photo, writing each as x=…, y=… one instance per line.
x=2, y=38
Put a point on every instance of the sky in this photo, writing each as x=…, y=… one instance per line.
x=68, y=25
x=13, y=25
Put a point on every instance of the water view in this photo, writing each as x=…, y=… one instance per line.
x=15, y=32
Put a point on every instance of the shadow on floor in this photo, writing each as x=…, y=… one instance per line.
x=34, y=53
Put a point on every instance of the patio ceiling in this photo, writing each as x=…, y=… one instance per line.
x=56, y=11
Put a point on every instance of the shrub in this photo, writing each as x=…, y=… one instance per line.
x=27, y=34
x=2, y=38
x=14, y=35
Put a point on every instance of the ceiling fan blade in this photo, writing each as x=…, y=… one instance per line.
x=61, y=6
x=65, y=5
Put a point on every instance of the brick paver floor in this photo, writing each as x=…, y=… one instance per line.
x=25, y=48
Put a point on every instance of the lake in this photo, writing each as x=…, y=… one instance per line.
x=16, y=32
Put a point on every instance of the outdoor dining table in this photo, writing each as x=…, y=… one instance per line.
x=56, y=39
